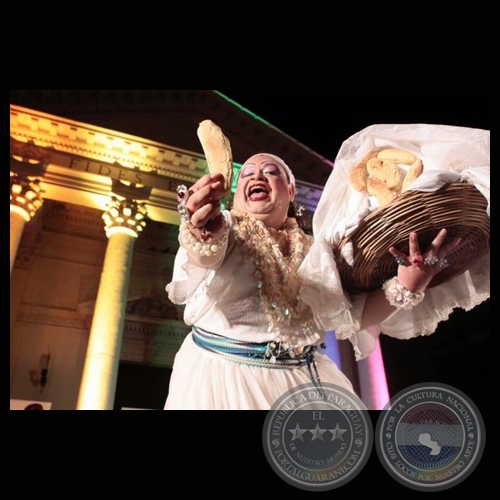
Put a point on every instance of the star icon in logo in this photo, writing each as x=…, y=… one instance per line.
x=337, y=433
x=317, y=433
x=297, y=433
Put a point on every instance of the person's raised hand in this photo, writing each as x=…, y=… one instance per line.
x=203, y=203
x=416, y=270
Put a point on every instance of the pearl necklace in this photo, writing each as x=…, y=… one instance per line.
x=278, y=255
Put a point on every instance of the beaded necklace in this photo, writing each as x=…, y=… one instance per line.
x=278, y=255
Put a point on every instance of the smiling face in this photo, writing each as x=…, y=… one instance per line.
x=264, y=191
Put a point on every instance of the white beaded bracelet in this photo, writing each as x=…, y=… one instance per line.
x=206, y=248
x=399, y=296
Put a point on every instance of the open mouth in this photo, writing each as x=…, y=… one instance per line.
x=258, y=192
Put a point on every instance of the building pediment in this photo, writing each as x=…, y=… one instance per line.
x=171, y=117
x=84, y=163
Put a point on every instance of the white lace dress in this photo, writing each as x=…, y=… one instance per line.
x=225, y=301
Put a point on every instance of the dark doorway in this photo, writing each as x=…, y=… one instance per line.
x=141, y=387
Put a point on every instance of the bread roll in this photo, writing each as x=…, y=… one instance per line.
x=217, y=151
x=375, y=168
x=414, y=171
x=381, y=173
x=358, y=174
x=397, y=156
x=357, y=178
x=392, y=175
x=380, y=190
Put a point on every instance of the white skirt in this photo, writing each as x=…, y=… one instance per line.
x=202, y=380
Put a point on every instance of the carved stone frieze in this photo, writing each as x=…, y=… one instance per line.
x=29, y=152
x=76, y=220
x=152, y=344
x=51, y=317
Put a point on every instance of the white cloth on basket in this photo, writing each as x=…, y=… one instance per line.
x=448, y=153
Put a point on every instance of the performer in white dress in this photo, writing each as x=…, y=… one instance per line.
x=247, y=277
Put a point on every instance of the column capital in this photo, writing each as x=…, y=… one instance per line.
x=124, y=216
x=25, y=196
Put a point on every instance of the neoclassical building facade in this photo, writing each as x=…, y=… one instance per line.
x=93, y=236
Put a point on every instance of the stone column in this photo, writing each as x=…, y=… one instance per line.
x=124, y=221
x=25, y=201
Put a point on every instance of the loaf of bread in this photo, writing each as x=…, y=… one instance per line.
x=392, y=175
x=415, y=171
x=396, y=155
x=218, y=153
x=357, y=177
x=385, y=172
x=375, y=168
x=359, y=174
x=379, y=189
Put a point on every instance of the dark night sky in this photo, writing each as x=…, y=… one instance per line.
x=323, y=119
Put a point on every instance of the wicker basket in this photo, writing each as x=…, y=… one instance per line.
x=458, y=207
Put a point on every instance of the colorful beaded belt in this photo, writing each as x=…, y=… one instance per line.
x=269, y=354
